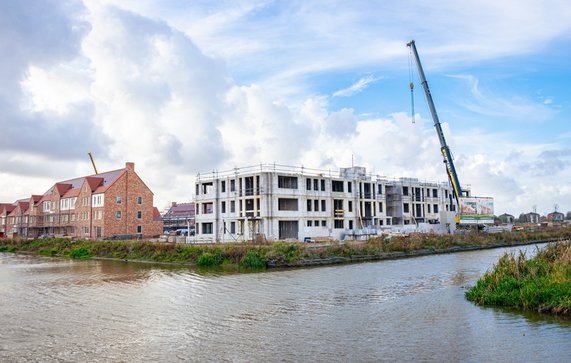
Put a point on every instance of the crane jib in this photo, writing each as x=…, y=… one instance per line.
x=450, y=169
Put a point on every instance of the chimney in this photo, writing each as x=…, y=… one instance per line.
x=130, y=166
x=173, y=204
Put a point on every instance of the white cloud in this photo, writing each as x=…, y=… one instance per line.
x=494, y=105
x=182, y=88
x=356, y=87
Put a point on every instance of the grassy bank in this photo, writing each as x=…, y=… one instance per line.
x=542, y=283
x=278, y=254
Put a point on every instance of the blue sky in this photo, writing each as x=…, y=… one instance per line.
x=187, y=87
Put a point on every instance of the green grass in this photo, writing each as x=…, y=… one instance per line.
x=541, y=284
x=248, y=255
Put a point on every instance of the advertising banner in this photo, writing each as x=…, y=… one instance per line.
x=476, y=210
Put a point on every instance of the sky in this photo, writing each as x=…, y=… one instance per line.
x=184, y=87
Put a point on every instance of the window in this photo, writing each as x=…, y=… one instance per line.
x=380, y=189
x=337, y=186
x=139, y=229
x=350, y=224
x=232, y=227
x=316, y=205
x=406, y=208
x=223, y=207
x=429, y=209
x=207, y=187
x=139, y=200
x=119, y=199
x=323, y=205
x=434, y=193
x=206, y=228
x=309, y=205
x=338, y=207
x=139, y=214
x=435, y=209
x=380, y=207
x=232, y=206
x=233, y=185
x=308, y=184
x=338, y=224
x=315, y=184
x=118, y=215
x=64, y=204
x=316, y=223
x=350, y=206
x=309, y=223
x=322, y=185
x=287, y=204
x=223, y=186
x=207, y=208
x=404, y=190
x=349, y=187
x=47, y=206
x=287, y=182
x=97, y=200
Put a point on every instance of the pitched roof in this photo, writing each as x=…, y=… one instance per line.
x=180, y=210
x=97, y=182
x=156, y=214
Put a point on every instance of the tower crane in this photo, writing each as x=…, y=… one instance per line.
x=444, y=149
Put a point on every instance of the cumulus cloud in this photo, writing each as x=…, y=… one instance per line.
x=188, y=88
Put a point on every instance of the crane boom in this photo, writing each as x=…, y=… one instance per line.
x=93, y=163
x=444, y=149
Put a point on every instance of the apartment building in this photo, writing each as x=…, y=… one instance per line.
x=283, y=202
x=179, y=216
x=98, y=206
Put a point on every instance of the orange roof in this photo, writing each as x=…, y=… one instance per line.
x=72, y=193
x=97, y=182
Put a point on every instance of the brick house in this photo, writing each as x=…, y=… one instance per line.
x=179, y=216
x=98, y=206
x=556, y=217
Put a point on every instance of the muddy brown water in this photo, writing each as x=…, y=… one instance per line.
x=59, y=310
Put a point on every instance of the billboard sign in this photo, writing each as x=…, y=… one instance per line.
x=476, y=210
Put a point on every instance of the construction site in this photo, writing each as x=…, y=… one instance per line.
x=277, y=202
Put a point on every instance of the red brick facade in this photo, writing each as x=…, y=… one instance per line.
x=96, y=207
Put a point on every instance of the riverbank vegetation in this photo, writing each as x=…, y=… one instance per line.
x=247, y=255
x=542, y=283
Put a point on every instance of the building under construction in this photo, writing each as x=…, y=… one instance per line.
x=274, y=202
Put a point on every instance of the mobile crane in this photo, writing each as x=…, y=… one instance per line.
x=444, y=149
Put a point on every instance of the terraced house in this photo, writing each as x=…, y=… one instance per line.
x=284, y=202
x=111, y=204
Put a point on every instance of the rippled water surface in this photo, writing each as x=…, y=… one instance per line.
x=401, y=310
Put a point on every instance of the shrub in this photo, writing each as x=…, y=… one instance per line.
x=208, y=259
x=81, y=253
x=253, y=260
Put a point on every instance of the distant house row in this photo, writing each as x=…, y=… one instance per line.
x=532, y=217
x=112, y=204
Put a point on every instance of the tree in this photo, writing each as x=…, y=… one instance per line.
x=521, y=218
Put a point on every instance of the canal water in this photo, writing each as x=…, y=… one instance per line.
x=409, y=310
